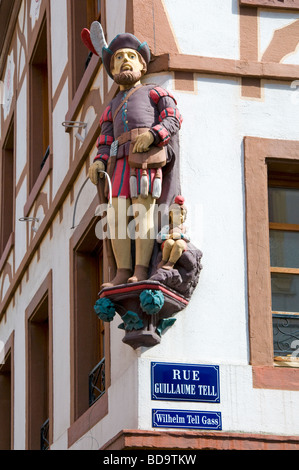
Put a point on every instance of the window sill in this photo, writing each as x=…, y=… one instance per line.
x=38, y=185
x=90, y=418
x=9, y=245
x=288, y=4
x=285, y=361
x=275, y=378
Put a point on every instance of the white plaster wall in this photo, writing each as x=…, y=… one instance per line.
x=275, y=116
x=116, y=23
x=123, y=392
x=61, y=324
x=9, y=83
x=21, y=130
x=205, y=28
x=292, y=58
x=39, y=213
x=163, y=79
x=59, y=40
x=98, y=83
x=21, y=58
x=60, y=141
x=6, y=285
x=15, y=321
x=19, y=375
x=243, y=409
x=22, y=19
x=88, y=193
x=54, y=254
x=271, y=21
x=115, y=18
x=211, y=175
x=34, y=11
x=22, y=23
x=20, y=227
x=123, y=396
x=213, y=329
x=4, y=278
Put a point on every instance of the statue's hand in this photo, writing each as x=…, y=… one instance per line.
x=143, y=142
x=176, y=236
x=93, y=171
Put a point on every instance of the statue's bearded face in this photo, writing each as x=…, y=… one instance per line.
x=128, y=67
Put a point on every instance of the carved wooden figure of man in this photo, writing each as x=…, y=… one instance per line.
x=146, y=115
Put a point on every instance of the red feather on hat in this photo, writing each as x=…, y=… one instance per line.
x=85, y=36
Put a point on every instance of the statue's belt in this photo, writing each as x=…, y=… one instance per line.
x=131, y=136
x=155, y=157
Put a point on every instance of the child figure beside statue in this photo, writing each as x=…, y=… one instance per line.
x=174, y=237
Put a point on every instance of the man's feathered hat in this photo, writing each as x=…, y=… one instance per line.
x=95, y=41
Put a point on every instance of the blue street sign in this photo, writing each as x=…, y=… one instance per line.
x=187, y=419
x=185, y=382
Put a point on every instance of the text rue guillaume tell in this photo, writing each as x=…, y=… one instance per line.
x=185, y=388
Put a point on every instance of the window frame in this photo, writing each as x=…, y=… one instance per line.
x=82, y=422
x=94, y=9
x=86, y=256
x=35, y=153
x=271, y=4
x=258, y=152
x=6, y=239
x=8, y=367
x=77, y=50
x=32, y=315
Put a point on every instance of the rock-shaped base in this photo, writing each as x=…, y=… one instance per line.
x=184, y=277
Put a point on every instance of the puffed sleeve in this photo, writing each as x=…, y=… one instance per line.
x=170, y=119
x=106, y=137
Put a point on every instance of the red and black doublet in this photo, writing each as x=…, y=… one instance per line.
x=150, y=107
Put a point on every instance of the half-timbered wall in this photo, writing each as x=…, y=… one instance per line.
x=233, y=66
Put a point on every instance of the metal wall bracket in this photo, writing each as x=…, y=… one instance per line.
x=30, y=219
x=79, y=125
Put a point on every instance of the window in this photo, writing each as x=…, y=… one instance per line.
x=283, y=196
x=6, y=408
x=6, y=8
x=39, y=106
x=39, y=369
x=84, y=12
x=93, y=9
x=7, y=189
x=268, y=164
x=89, y=338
